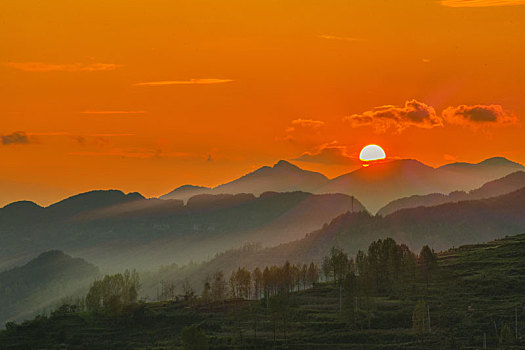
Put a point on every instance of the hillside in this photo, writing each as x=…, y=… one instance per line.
x=442, y=227
x=117, y=231
x=475, y=293
x=41, y=283
x=506, y=184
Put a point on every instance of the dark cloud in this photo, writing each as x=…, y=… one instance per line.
x=479, y=115
x=413, y=113
x=328, y=154
x=18, y=137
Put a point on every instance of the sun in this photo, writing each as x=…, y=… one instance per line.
x=372, y=153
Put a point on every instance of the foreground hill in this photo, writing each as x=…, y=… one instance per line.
x=116, y=230
x=41, y=283
x=474, y=294
x=506, y=184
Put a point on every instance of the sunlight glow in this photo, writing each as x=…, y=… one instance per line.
x=371, y=153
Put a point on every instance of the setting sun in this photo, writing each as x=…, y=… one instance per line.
x=371, y=153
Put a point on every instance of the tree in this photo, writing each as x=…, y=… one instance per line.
x=218, y=287
x=194, y=339
x=113, y=292
x=420, y=318
x=304, y=276
x=427, y=262
x=313, y=273
x=505, y=337
x=257, y=282
x=326, y=266
x=206, y=291
x=187, y=290
x=338, y=262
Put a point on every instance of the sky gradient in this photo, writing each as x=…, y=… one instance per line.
x=147, y=95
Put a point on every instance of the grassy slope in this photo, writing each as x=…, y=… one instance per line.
x=475, y=291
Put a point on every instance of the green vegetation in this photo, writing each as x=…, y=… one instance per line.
x=389, y=298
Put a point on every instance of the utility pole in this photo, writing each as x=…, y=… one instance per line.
x=352, y=204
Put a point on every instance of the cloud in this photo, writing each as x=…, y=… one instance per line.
x=111, y=112
x=301, y=127
x=16, y=138
x=342, y=38
x=413, y=113
x=112, y=135
x=51, y=67
x=142, y=153
x=185, y=82
x=51, y=133
x=308, y=123
x=329, y=153
x=479, y=115
x=481, y=3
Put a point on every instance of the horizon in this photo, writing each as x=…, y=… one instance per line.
x=293, y=162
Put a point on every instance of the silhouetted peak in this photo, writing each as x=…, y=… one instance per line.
x=283, y=164
x=499, y=161
x=190, y=187
x=22, y=205
x=135, y=196
x=52, y=255
x=494, y=161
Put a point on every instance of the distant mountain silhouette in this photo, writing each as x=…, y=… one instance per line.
x=484, y=171
x=281, y=177
x=380, y=182
x=509, y=183
x=41, y=283
x=375, y=185
x=185, y=192
x=118, y=231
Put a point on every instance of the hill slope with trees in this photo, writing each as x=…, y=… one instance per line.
x=460, y=298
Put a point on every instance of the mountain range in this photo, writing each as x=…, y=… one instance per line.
x=281, y=177
x=375, y=185
x=506, y=184
x=116, y=230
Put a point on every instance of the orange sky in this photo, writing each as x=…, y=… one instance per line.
x=147, y=95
